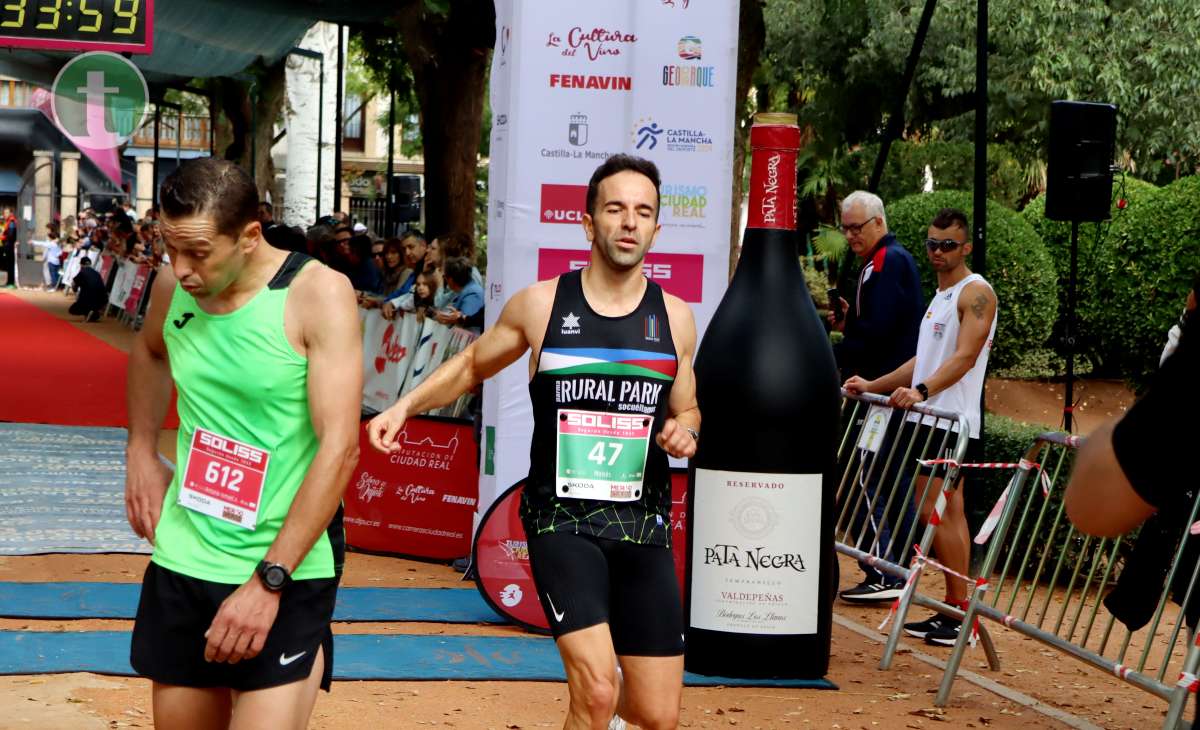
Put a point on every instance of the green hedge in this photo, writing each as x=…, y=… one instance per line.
x=1004, y=440
x=1018, y=268
x=1057, y=237
x=1143, y=277
x=1007, y=440
x=951, y=163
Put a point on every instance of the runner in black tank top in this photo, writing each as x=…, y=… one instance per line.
x=600, y=369
x=613, y=395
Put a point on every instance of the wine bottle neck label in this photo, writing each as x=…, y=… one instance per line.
x=773, y=177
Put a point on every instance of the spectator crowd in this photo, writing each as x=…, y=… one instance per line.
x=410, y=273
x=436, y=277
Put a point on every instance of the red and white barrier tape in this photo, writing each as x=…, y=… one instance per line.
x=919, y=561
x=1188, y=681
x=993, y=518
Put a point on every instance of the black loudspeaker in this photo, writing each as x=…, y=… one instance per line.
x=406, y=190
x=1079, y=174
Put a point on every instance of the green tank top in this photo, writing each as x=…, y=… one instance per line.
x=238, y=377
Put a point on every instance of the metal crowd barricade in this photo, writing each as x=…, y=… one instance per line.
x=1045, y=580
x=877, y=520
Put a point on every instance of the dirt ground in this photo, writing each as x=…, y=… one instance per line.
x=1034, y=401
x=902, y=697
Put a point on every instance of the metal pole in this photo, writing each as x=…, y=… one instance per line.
x=979, y=258
x=212, y=125
x=979, y=255
x=896, y=121
x=337, y=136
x=320, y=128
x=157, y=129
x=254, y=132
x=388, y=222
x=1069, y=404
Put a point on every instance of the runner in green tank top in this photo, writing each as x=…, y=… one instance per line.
x=263, y=348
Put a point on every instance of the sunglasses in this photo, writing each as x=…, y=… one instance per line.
x=945, y=246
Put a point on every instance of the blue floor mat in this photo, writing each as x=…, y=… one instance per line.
x=356, y=657
x=63, y=491
x=119, y=601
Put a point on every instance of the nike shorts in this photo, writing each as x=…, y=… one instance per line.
x=585, y=581
x=175, y=610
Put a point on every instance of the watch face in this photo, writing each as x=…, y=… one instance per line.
x=275, y=577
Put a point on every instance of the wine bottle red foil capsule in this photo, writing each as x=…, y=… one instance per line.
x=774, y=147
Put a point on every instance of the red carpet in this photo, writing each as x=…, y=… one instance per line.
x=51, y=372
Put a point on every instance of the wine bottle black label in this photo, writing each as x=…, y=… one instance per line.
x=756, y=552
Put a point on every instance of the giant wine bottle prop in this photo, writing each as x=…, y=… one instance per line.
x=760, y=502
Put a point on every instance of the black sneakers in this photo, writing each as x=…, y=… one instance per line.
x=92, y=316
x=870, y=591
x=937, y=629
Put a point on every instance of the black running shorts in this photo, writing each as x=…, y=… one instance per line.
x=584, y=581
x=175, y=610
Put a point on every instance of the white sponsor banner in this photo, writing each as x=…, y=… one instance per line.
x=756, y=565
x=430, y=352
x=399, y=354
x=574, y=82
x=71, y=268
x=387, y=355
x=122, y=284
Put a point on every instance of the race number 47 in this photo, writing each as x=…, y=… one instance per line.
x=597, y=454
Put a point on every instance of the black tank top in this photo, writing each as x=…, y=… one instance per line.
x=599, y=398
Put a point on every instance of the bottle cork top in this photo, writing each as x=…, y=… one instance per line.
x=776, y=118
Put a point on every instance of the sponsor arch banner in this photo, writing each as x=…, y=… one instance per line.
x=420, y=500
x=574, y=82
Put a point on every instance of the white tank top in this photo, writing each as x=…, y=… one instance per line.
x=937, y=342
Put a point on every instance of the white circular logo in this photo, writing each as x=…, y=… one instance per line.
x=754, y=518
x=511, y=595
x=99, y=99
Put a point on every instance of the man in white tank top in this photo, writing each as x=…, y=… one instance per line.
x=947, y=372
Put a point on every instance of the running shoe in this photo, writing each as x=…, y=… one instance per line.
x=934, y=624
x=870, y=591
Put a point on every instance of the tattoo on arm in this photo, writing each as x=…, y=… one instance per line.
x=979, y=306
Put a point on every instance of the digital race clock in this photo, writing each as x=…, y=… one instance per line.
x=78, y=25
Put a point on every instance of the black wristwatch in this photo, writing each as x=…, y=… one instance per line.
x=274, y=576
x=923, y=390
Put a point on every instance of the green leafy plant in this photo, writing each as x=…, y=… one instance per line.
x=952, y=165
x=1094, y=241
x=1143, y=277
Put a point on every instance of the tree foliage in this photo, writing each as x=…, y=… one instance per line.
x=838, y=63
x=1093, y=249
x=1143, y=274
x=437, y=53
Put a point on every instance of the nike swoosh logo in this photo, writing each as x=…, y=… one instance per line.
x=558, y=616
x=187, y=317
x=285, y=660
